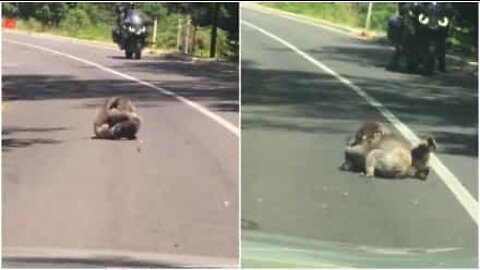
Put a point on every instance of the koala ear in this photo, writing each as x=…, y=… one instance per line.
x=432, y=144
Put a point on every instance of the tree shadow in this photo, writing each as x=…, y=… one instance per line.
x=62, y=262
x=378, y=55
x=206, y=81
x=6, y=131
x=458, y=144
x=41, y=87
x=213, y=70
x=13, y=137
x=10, y=143
x=445, y=108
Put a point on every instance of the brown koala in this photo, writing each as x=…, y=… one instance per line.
x=368, y=132
x=391, y=157
x=421, y=157
x=117, y=118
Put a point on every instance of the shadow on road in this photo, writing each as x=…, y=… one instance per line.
x=374, y=55
x=445, y=108
x=11, y=137
x=118, y=57
x=39, y=87
x=210, y=70
x=60, y=262
x=201, y=80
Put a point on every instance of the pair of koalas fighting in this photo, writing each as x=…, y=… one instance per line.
x=375, y=150
x=117, y=118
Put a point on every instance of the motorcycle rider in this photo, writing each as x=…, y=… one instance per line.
x=406, y=12
x=401, y=28
x=130, y=34
x=122, y=10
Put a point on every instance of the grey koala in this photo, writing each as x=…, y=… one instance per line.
x=389, y=156
x=368, y=132
x=117, y=118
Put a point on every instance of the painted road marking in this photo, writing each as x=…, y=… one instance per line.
x=72, y=40
x=224, y=123
x=450, y=180
x=304, y=19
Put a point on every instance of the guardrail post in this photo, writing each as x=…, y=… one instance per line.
x=154, y=36
x=179, y=34
x=187, y=38
x=369, y=16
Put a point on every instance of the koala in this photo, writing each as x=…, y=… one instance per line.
x=391, y=157
x=421, y=157
x=117, y=118
x=368, y=132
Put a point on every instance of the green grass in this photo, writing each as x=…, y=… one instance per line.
x=98, y=33
x=347, y=14
x=166, y=35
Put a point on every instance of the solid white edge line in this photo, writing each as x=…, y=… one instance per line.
x=301, y=19
x=451, y=181
x=71, y=40
x=226, y=124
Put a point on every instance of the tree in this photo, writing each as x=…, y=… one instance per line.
x=43, y=14
x=229, y=22
x=213, y=35
x=10, y=10
x=467, y=19
x=59, y=11
x=153, y=10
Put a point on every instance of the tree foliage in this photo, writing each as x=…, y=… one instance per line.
x=74, y=16
x=10, y=10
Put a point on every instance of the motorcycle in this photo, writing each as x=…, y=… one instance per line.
x=131, y=34
x=420, y=35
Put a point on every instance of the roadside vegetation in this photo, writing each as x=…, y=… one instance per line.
x=463, y=40
x=177, y=24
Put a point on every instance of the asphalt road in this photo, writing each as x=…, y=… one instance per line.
x=295, y=122
x=174, y=190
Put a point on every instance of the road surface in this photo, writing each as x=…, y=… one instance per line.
x=296, y=118
x=174, y=190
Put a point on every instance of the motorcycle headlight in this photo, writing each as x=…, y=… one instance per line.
x=141, y=30
x=423, y=19
x=443, y=22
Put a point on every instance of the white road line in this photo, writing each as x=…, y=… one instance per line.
x=302, y=19
x=450, y=180
x=224, y=123
x=71, y=40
